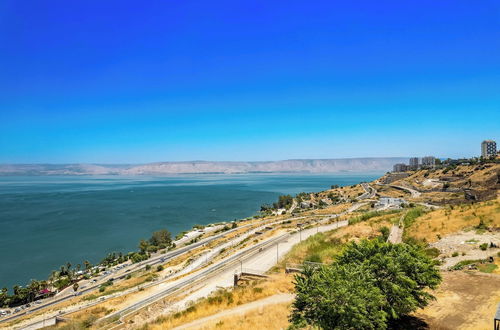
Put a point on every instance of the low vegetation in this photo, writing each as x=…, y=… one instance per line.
x=224, y=299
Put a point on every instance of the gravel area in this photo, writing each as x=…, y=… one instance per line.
x=468, y=243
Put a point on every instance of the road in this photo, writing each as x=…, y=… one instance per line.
x=414, y=193
x=152, y=261
x=369, y=191
x=396, y=233
x=201, y=275
x=117, y=275
x=241, y=309
x=192, y=278
x=259, y=257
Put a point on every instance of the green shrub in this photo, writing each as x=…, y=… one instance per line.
x=432, y=252
x=257, y=290
x=376, y=282
x=368, y=215
x=460, y=265
x=454, y=254
x=314, y=258
x=483, y=246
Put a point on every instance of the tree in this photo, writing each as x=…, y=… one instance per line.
x=143, y=246
x=338, y=297
x=75, y=287
x=159, y=237
x=87, y=265
x=368, y=284
x=403, y=272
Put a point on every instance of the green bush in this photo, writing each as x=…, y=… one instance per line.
x=460, y=265
x=369, y=284
x=454, y=254
x=432, y=252
x=483, y=246
x=368, y=215
x=257, y=290
x=314, y=258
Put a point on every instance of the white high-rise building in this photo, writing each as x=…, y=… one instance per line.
x=414, y=163
x=428, y=161
x=488, y=149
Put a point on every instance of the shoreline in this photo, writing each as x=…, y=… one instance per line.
x=189, y=228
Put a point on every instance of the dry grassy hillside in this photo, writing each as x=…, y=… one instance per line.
x=454, y=185
x=452, y=307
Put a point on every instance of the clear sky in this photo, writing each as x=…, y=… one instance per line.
x=142, y=81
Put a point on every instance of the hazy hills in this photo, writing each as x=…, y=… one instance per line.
x=198, y=167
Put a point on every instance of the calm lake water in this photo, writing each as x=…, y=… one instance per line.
x=47, y=221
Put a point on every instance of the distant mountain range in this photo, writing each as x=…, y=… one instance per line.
x=200, y=167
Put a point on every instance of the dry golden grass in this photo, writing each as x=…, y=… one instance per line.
x=255, y=319
x=449, y=220
x=464, y=301
x=387, y=191
x=279, y=283
x=325, y=246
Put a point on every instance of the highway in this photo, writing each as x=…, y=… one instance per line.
x=369, y=191
x=162, y=258
x=414, y=193
x=188, y=280
x=202, y=275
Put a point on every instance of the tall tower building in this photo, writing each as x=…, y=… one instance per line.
x=414, y=163
x=488, y=149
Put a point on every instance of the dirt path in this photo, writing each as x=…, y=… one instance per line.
x=276, y=299
x=396, y=235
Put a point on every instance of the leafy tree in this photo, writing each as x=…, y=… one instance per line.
x=159, y=237
x=384, y=231
x=368, y=284
x=338, y=297
x=143, y=246
x=403, y=273
x=87, y=265
x=75, y=287
x=284, y=201
x=265, y=208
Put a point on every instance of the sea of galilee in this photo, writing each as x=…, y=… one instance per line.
x=47, y=221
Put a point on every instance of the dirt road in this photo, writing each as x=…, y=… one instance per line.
x=276, y=299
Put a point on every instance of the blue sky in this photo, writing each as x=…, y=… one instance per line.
x=133, y=82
